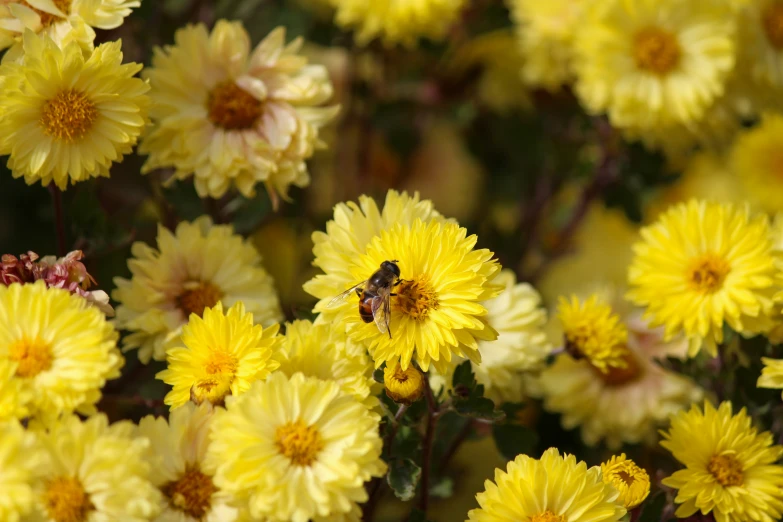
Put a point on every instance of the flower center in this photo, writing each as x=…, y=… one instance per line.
x=33, y=357
x=299, y=442
x=726, y=469
x=548, y=516
x=416, y=298
x=68, y=116
x=772, y=20
x=656, y=50
x=232, y=108
x=625, y=477
x=620, y=375
x=46, y=18
x=222, y=368
x=195, y=300
x=192, y=493
x=707, y=274
x=66, y=500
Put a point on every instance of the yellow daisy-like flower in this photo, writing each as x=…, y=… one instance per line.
x=545, y=33
x=772, y=374
x=309, y=458
x=403, y=386
x=67, y=116
x=593, y=331
x=761, y=32
x=757, y=161
x=223, y=355
x=630, y=480
x=15, y=395
x=64, y=350
x=396, y=22
x=553, y=488
x=437, y=312
x=97, y=472
x=703, y=264
x=176, y=456
x=22, y=460
x=649, y=63
x=730, y=467
x=231, y=116
x=349, y=234
x=194, y=268
x=317, y=350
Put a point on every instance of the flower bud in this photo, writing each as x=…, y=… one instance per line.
x=404, y=387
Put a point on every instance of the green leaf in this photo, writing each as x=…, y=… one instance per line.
x=403, y=477
x=443, y=488
x=418, y=515
x=652, y=509
x=478, y=408
x=513, y=439
x=463, y=376
x=378, y=375
x=407, y=444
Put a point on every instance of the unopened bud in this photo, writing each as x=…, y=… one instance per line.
x=404, y=387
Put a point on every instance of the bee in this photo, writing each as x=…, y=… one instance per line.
x=375, y=295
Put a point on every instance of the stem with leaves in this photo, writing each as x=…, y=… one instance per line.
x=432, y=419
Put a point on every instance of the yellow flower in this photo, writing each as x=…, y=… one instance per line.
x=67, y=116
x=22, y=460
x=176, y=457
x=545, y=33
x=593, y=331
x=307, y=460
x=395, y=22
x=730, y=467
x=194, y=268
x=61, y=20
x=761, y=32
x=652, y=63
x=702, y=265
x=15, y=395
x=630, y=480
x=772, y=374
x=554, y=488
x=757, y=160
x=403, y=386
x=223, y=355
x=349, y=234
x=317, y=350
x=63, y=348
x=96, y=471
x=231, y=116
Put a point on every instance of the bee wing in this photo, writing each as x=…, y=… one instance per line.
x=381, y=310
x=342, y=296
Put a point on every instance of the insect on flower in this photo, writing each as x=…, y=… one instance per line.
x=375, y=295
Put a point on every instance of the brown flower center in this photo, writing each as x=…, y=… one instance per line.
x=299, y=442
x=707, y=273
x=33, y=356
x=726, y=469
x=195, y=300
x=619, y=376
x=192, y=493
x=222, y=367
x=66, y=500
x=232, y=108
x=656, y=50
x=416, y=298
x=548, y=516
x=68, y=116
x=772, y=20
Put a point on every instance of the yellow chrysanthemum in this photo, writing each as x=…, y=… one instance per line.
x=15, y=395
x=223, y=355
x=593, y=331
x=521, y=347
x=630, y=480
x=761, y=32
x=63, y=348
x=176, y=457
x=395, y=22
x=22, y=460
x=320, y=351
x=231, y=116
x=553, y=488
x=61, y=20
x=67, y=116
x=772, y=374
x=309, y=458
x=757, y=161
x=651, y=63
x=730, y=467
x=702, y=265
x=97, y=472
x=545, y=32
x=349, y=234
x=194, y=268
x=403, y=386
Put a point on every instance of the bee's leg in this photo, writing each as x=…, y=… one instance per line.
x=358, y=292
